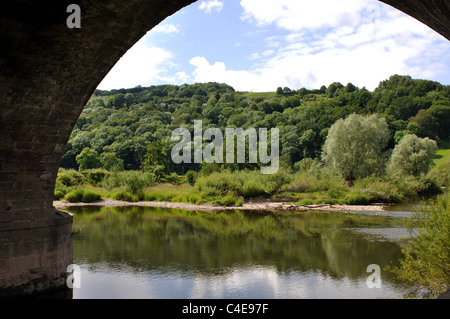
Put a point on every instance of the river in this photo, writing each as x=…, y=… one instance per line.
x=144, y=252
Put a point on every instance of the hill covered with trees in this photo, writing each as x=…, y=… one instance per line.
x=119, y=125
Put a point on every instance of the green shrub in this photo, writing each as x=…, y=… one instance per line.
x=441, y=173
x=229, y=200
x=74, y=196
x=186, y=198
x=95, y=177
x=171, y=193
x=244, y=183
x=356, y=199
x=306, y=164
x=252, y=188
x=123, y=195
x=82, y=195
x=218, y=184
x=173, y=179
x=190, y=177
x=413, y=186
x=305, y=201
x=277, y=182
x=380, y=190
x=58, y=194
x=425, y=263
x=90, y=196
x=132, y=181
x=318, y=181
x=329, y=201
x=70, y=178
x=301, y=184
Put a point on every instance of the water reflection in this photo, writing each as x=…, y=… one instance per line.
x=143, y=252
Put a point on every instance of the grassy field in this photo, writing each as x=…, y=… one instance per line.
x=259, y=95
x=443, y=154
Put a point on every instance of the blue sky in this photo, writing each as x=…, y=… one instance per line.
x=259, y=45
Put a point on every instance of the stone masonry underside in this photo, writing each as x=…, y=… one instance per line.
x=47, y=74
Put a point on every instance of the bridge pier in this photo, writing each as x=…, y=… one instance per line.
x=35, y=254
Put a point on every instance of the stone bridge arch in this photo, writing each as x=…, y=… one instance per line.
x=47, y=74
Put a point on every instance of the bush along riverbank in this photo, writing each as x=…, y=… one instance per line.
x=312, y=185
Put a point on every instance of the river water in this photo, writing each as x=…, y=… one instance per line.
x=143, y=252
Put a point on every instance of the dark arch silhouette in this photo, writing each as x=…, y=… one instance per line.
x=47, y=74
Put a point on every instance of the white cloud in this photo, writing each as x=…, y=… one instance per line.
x=209, y=5
x=165, y=28
x=295, y=15
x=240, y=80
x=141, y=65
x=356, y=41
x=178, y=78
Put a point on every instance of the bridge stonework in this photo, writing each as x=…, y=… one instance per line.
x=47, y=74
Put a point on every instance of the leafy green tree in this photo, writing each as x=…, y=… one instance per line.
x=441, y=114
x=307, y=141
x=88, y=159
x=332, y=88
x=117, y=101
x=412, y=156
x=111, y=162
x=427, y=124
x=287, y=91
x=349, y=88
x=401, y=134
x=402, y=108
x=155, y=160
x=355, y=146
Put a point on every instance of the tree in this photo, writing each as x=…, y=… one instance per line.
x=88, y=159
x=307, y=143
x=412, y=156
x=354, y=147
x=427, y=124
x=349, y=88
x=155, y=160
x=441, y=114
x=117, y=101
x=111, y=162
x=332, y=88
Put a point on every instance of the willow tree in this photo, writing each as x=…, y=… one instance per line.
x=355, y=146
x=412, y=156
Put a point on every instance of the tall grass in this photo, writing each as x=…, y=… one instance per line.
x=308, y=183
x=245, y=183
x=130, y=181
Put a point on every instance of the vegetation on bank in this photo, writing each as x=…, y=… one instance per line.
x=426, y=261
x=308, y=184
x=338, y=144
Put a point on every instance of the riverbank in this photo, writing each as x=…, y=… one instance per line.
x=251, y=205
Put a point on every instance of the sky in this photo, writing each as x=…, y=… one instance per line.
x=260, y=45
